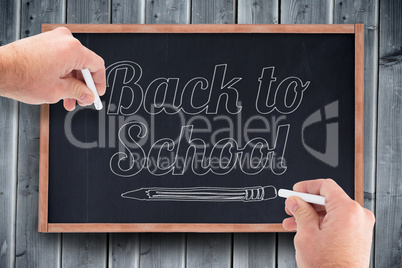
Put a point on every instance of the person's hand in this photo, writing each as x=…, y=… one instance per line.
x=337, y=235
x=46, y=68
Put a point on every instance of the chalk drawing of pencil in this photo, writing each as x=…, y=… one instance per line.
x=205, y=194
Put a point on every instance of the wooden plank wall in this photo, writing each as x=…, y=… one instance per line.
x=22, y=246
x=388, y=250
x=9, y=31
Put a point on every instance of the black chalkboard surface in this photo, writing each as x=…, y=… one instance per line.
x=200, y=129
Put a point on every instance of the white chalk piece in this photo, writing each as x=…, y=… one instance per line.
x=90, y=83
x=311, y=198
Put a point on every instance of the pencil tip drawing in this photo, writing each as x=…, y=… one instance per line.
x=203, y=194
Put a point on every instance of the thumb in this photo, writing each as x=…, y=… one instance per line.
x=76, y=89
x=306, y=217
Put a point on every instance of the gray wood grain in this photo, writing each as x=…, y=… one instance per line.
x=124, y=249
x=254, y=250
x=33, y=249
x=388, y=250
x=213, y=11
x=10, y=20
x=9, y=14
x=162, y=250
x=286, y=251
x=300, y=12
x=257, y=12
x=84, y=250
x=167, y=12
x=8, y=179
x=306, y=12
x=96, y=11
x=350, y=12
x=128, y=11
x=88, y=250
x=346, y=12
x=209, y=250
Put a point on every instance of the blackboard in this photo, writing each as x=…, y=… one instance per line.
x=202, y=125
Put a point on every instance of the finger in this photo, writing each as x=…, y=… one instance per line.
x=288, y=211
x=81, y=103
x=289, y=224
x=61, y=30
x=72, y=88
x=318, y=208
x=309, y=186
x=306, y=217
x=69, y=104
x=100, y=81
x=324, y=187
x=96, y=65
x=321, y=216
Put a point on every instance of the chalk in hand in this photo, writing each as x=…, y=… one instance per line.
x=90, y=83
x=311, y=198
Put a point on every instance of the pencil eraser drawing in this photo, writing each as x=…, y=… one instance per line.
x=203, y=194
x=269, y=192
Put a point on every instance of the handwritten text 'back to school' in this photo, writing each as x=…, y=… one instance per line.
x=199, y=95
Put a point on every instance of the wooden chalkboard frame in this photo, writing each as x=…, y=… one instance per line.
x=356, y=29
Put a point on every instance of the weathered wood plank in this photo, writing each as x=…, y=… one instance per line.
x=388, y=250
x=167, y=12
x=128, y=11
x=9, y=32
x=350, y=12
x=257, y=12
x=300, y=12
x=209, y=250
x=10, y=20
x=97, y=11
x=254, y=250
x=306, y=12
x=366, y=12
x=124, y=249
x=8, y=178
x=33, y=248
x=213, y=11
x=286, y=251
x=162, y=250
x=84, y=250
x=89, y=250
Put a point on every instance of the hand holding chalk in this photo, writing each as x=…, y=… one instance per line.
x=43, y=69
x=338, y=235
